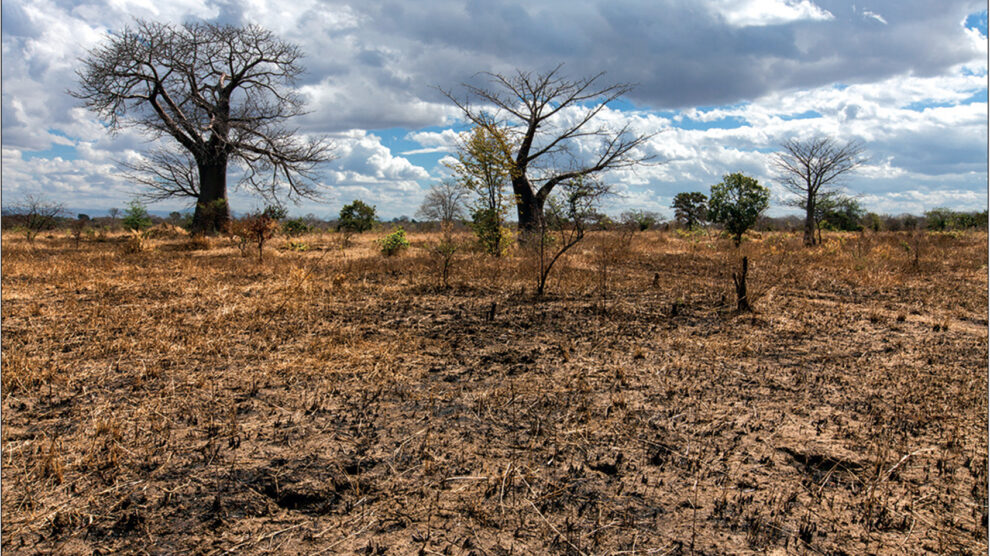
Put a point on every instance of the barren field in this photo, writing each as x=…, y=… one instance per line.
x=183, y=398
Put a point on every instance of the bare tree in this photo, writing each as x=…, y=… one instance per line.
x=811, y=169
x=165, y=172
x=223, y=93
x=36, y=214
x=532, y=106
x=444, y=203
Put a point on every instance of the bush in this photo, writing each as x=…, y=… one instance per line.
x=941, y=219
x=356, y=217
x=494, y=238
x=275, y=212
x=254, y=228
x=136, y=217
x=394, y=242
x=643, y=220
x=295, y=227
x=297, y=246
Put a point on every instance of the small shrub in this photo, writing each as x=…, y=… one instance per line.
x=297, y=246
x=443, y=252
x=254, y=228
x=394, y=242
x=494, y=238
x=136, y=242
x=136, y=217
x=295, y=227
x=76, y=229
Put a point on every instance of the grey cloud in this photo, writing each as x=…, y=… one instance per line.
x=679, y=53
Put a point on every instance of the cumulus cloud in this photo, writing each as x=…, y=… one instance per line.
x=361, y=157
x=445, y=141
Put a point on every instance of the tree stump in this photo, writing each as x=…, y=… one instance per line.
x=742, y=302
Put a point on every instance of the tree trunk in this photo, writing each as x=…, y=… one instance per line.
x=809, y=222
x=212, y=212
x=529, y=207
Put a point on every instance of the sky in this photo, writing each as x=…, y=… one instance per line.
x=721, y=84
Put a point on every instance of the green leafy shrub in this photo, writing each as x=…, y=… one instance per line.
x=275, y=212
x=394, y=242
x=136, y=217
x=295, y=227
x=642, y=219
x=495, y=239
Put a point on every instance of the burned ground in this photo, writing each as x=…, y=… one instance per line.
x=335, y=401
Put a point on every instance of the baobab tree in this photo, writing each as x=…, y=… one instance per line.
x=223, y=93
x=533, y=108
x=811, y=169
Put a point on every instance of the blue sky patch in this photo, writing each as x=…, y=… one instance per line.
x=732, y=122
x=977, y=21
x=806, y=115
x=65, y=152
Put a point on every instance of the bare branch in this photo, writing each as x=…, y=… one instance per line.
x=222, y=92
x=532, y=107
x=812, y=169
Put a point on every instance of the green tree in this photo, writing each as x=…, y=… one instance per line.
x=873, y=221
x=642, y=219
x=484, y=167
x=938, y=219
x=136, y=217
x=842, y=212
x=737, y=203
x=834, y=211
x=691, y=208
x=356, y=217
x=295, y=227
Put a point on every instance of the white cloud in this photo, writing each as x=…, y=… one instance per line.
x=875, y=16
x=435, y=141
x=363, y=158
x=755, y=13
x=78, y=183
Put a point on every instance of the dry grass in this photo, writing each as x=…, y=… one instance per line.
x=179, y=397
